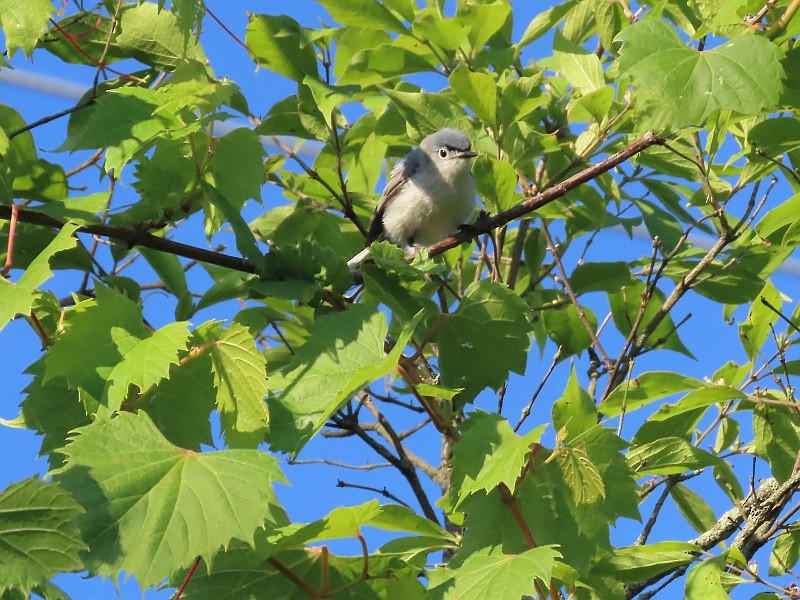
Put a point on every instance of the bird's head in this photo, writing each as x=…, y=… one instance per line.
x=449, y=149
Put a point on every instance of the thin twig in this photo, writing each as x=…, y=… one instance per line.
x=527, y=410
x=573, y=298
x=336, y=463
x=383, y=492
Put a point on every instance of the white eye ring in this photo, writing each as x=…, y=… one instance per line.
x=442, y=153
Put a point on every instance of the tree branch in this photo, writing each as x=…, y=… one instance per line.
x=760, y=509
x=546, y=197
x=138, y=237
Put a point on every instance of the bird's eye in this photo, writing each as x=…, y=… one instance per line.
x=442, y=153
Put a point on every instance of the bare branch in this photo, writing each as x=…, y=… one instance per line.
x=138, y=237
x=383, y=492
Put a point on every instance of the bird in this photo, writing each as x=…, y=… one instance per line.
x=430, y=195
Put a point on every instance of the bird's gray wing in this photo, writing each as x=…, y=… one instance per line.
x=400, y=174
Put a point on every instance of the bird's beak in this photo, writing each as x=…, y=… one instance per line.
x=467, y=154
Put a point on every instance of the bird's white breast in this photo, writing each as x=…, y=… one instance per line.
x=432, y=204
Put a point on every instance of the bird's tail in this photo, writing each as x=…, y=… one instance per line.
x=354, y=262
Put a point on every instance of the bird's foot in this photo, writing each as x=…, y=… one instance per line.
x=478, y=227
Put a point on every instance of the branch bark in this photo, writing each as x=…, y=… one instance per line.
x=758, y=512
x=138, y=237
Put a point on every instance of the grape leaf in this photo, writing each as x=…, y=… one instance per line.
x=146, y=363
x=154, y=37
x=240, y=378
x=675, y=85
x=489, y=453
x=344, y=352
x=152, y=507
x=496, y=577
x=98, y=333
x=40, y=537
x=488, y=311
x=19, y=297
x=24, y=23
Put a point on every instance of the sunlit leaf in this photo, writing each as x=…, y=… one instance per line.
x=166, y=505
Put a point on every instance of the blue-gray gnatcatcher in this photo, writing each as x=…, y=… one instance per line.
x=431, y=193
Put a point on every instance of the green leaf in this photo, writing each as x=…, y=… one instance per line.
x=625, y=306
x=496, y=181
x=775, y=135
x=40, y=537
x=521, y=96
x=694, y=509
x=308, y=261
x=706, y=580
x=40, y=180
x=785, y=552
x=350, y=40
x=600, y=277
x=669, y=456
x=484, y=20
x=580, y=475
x=246, y=242
x=280, y=44
x=181, y=405
x=328, y=97
x=574, y=411
x=82, y=209
x=342, y=349
x=94, y=31
x=19, y=297
x=97, y=334
x=581, y=67
x=365, y=14
x=240, y=378
x=51, y=409
x=494, y=577
x=169, y=269
x=237, y=166
x=701, y=398
x=776, y=222
x=676, y=86
x=567, y=330
x=153, y=37
x=348, y=521
x=760, y=320
x=189, y=14
x=168, y=505
x=478, y=91
x=776, y=438
x=489, y=453
x=447, y=33
x=660, y=223
x=244, y=572
x=372, y=66
x=546, y=505
x=24, y=23
x=637, y=563
x=603, y=448
x=146, y=363
x=427, y=113
x=488, y=311
x=544, y=22
x=121, y=120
